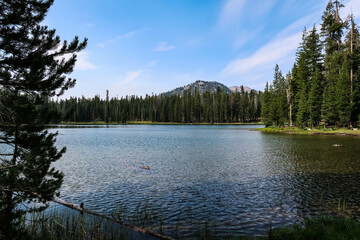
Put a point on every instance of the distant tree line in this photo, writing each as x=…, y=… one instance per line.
x=191, y=107
x=323, y=88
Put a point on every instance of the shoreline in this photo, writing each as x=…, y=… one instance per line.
x=149, y=123
x=297, y=131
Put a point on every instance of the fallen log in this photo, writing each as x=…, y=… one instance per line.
x=126, y=225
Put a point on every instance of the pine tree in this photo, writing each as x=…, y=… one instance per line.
x=197, y=106
x=323, y=89
x=31, y=71
x=332, y=27
x=353, y=49
x=279, y=105
x=343, y=95
x=265, y=108
x=315, y=99
x=329, y=107
x=294, y=91
x=106, y=110
x=302, y=76
x=313, y=52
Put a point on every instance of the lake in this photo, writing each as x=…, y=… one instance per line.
x=242, y=182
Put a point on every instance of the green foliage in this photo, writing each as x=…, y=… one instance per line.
x=69, y=225
x=324, y=228
x=275, y=103
x=322, y=90
x=209, y=107
x=265, y=110
x=315, y=99
x=343, y=95
x=31, y=71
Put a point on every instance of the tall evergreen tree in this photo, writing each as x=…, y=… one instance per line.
x=352, y=45
x=266, y=107
x=279, y=105
x=315, y=99
x=343, y=95
x=31, y=70
x=324, y=89
x=301, y=77
x=332, y=27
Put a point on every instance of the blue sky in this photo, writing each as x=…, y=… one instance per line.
x=139, y=47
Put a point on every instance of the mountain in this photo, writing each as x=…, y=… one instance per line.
x=238, y=89
x=203, y=86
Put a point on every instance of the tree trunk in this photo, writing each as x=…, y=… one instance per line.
x=351, y=53
x=337, y=19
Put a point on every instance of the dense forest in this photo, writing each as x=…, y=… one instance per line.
x=191, y=107
x=323, y=88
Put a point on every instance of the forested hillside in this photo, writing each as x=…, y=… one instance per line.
x=210, y=107
x=323, y=88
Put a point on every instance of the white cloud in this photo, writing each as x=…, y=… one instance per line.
x=83, y=63
x=129, y=77
x=231, y=11
x=153, y=63
x=282, y=46
x=163, y=46
x=245, y=36
x=127, y=35
x=82, y=60
x=102, y=45
x=123, y=36
x=136, y=82
x=351, y=6
x=306, y=21
x=262, y=7
x=241, y=19
x=268, y=54
x=237, y=11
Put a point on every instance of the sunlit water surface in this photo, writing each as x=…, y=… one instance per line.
x=242, y=182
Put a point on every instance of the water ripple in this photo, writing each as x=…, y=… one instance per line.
x=242, y=181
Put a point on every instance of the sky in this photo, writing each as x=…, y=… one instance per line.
x=139, y=47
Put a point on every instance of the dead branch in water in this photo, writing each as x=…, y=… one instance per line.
x=134, y=228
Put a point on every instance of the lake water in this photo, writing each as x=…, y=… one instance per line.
x=242, y=182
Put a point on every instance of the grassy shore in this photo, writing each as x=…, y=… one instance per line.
x=154, y=123
x=323, y=228
x=329, y=131
x=71, y=226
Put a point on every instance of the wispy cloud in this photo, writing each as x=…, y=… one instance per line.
x=153, y=63
x=129, y=77
x=283, y=45
x=83, y=63
x=238, y=11
x=163, y=46
x=268, y=54
x=231, y=11
x=244, y=37
x=262, y=7
x=351, y=6
x=128, y=35
x=123, y=36
x=242, y=21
